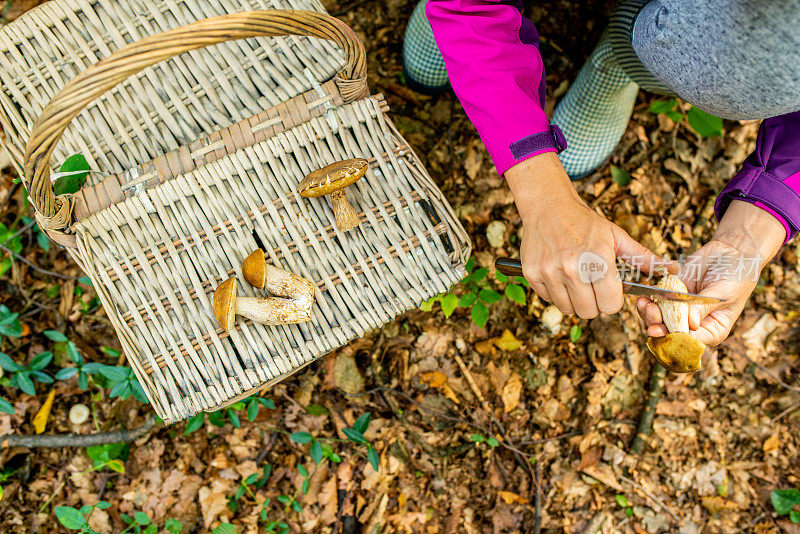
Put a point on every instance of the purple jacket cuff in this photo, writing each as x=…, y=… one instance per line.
x=758, y=186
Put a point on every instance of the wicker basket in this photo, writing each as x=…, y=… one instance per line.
x=196, y=163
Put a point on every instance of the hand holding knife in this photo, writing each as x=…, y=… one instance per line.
x=511, y=267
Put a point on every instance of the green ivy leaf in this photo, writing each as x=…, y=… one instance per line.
x=173, y=526
x=500, y=277
x=703, y=123
x=25, y=383
x=477, y=438
x=373, y=458
x=620, y=176
x=794, y=516
x=66, y=373
x=70, y=517
x=362, y=423
x=492, y=442
x=224, y=528
x=6, y=407
x=479, y=274
x=76, y=169
x=470, y=265
x=489, y=296
x=141, y=518
x=427, y=305
x=305, y=486
x=354, y=435
x=575, y=333
x=622, y=500
x=467, y=300
x=480, y=314
x=55, y=335
x=301, y=437
x=41, y=360
x=233, y=417
x=662, y=106
x=8, y=364
x=449, y=304
x=102, y=505
x=316, y=452
x=515, y=293
x=783, y=500
x=252, y=410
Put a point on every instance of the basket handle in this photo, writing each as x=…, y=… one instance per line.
x=55, y=212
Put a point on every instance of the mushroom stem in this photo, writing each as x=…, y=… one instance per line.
x=346, y=216
x=272, y=311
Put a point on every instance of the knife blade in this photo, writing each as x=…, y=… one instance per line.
x=510, y=267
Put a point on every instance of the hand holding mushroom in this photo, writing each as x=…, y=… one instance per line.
x=332, y=180
x=678, y=351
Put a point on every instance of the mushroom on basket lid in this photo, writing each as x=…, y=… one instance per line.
x=332, y=180
x=269, y=311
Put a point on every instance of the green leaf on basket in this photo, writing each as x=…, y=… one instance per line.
x=703, y=123
x=620, y=176
x=515, y=293
x=783, y=500
x=449, y=304
x=72, y=175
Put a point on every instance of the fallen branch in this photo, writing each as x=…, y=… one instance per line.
x=76, y=440
x=645, y=427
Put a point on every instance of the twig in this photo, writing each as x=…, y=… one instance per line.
x=775, y=377
x=35, y=267
x=537, y=518
x=788, y=410
x=472, y=385
x=645, y=427
x=76, y=440
x=651, y=496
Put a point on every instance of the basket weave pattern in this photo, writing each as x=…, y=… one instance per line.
x=157, y=237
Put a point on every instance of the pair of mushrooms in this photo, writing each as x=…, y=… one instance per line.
x=293, y=304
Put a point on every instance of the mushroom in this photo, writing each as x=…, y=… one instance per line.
x=678, y=351
x=277, y=281
x=332, y=180
x=269, y=311
x=78, y=414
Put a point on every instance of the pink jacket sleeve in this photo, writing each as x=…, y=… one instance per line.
x=494, y=65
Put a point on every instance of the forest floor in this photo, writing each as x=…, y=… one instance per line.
x=506, y=428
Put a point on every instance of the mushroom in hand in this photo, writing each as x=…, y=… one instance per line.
x=277, y=281
x=678, y=351
x=268, y=311
x=332, y=180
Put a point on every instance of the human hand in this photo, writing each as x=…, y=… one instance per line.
x=727, y=267
x=561, y=234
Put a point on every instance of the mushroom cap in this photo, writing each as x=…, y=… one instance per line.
x=332, y=178
x=678, y=352
x=254, y=268
x=224, y=302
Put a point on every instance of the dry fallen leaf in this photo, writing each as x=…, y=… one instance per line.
x=511, y=498
x=772, y=443
x=40, y=419
x=511, y=392
x=715, y=504
x=507, y=341
x=438, y=380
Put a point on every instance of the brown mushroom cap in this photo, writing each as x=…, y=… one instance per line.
x=254, y=268
x=224, y=302
x=678, y=352
x=332, y=178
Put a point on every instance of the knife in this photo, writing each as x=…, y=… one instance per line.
x=510, y=267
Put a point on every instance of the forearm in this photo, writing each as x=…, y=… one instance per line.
x=539, y=183
x=751, y=230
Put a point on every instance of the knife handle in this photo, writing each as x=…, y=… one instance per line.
x=508, y=267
